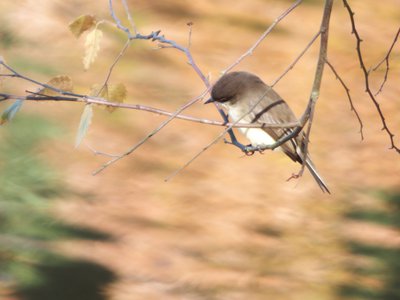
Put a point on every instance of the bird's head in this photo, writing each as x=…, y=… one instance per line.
x=231, y=86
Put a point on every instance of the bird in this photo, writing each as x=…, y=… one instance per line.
x=249, y=100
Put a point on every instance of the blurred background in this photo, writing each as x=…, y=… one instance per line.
x=228, y=226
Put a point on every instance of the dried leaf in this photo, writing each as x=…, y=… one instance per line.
x=116, y=93
x=111, y=92
x=62, y=82
x=95, y=91
x=84, y=124
x=82, y=24
x=92, y=47
x=10, y=111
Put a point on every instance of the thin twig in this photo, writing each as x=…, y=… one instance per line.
x=155, y=36
x=95, y=152
x=198, y=154
x=110, y=70
x=291, y=66
x=366, y=78
x=352, y=107
x=263, y=36
x=386, y=60
x=151, y=134
x=118, y=21
x=8, y=75
x=19, y=75
x=104, y=102
x=128, y=13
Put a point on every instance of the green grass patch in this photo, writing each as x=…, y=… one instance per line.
x=28, y=186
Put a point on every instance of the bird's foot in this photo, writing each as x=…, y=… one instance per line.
x=250, y=149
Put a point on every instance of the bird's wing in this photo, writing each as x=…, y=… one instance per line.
x=273, y=109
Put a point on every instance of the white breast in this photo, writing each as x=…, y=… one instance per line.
x=256, y=136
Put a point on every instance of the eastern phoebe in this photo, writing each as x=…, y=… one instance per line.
x=248, y=99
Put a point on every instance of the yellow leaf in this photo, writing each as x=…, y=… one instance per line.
x=62, y=82
x=92, y=47
x=81, y=24
x=116, y=93
x=111, y=92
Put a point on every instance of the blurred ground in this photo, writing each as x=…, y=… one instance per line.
x=228, y=226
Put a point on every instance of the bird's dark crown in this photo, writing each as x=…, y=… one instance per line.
x=230, y=86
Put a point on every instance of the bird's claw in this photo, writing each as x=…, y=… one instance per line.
x=250, y=150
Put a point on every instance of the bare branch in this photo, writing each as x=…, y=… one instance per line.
x=386, y=60
x=291, y=66
x=128, y=13
x=104, y=102
x=366, y=77
x=151, y=134
x=308, y=115
x=186, y=164
x=118, y=21
x=18, y=75
x=263, y=36
x=164, y=43
x=349, y=97
x=110, y=70
x=95, y=152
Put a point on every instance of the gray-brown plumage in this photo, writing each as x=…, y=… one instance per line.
x=248, y=99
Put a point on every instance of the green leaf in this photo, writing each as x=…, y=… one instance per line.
x=10, y=111
x=84, y=124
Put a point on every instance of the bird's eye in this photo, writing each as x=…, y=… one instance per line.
x=225, y=99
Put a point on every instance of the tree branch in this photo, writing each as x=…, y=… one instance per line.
x=103, y=102
x=155, y=36
x=386, y=60
x=263, y=36
x=349, y=97
x=308, y=115
x=366, y=78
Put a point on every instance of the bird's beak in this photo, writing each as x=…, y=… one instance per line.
x=209, y=101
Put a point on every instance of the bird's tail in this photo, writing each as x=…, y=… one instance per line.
x=310, y=166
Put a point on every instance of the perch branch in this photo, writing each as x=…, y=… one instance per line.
x=308, y=115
